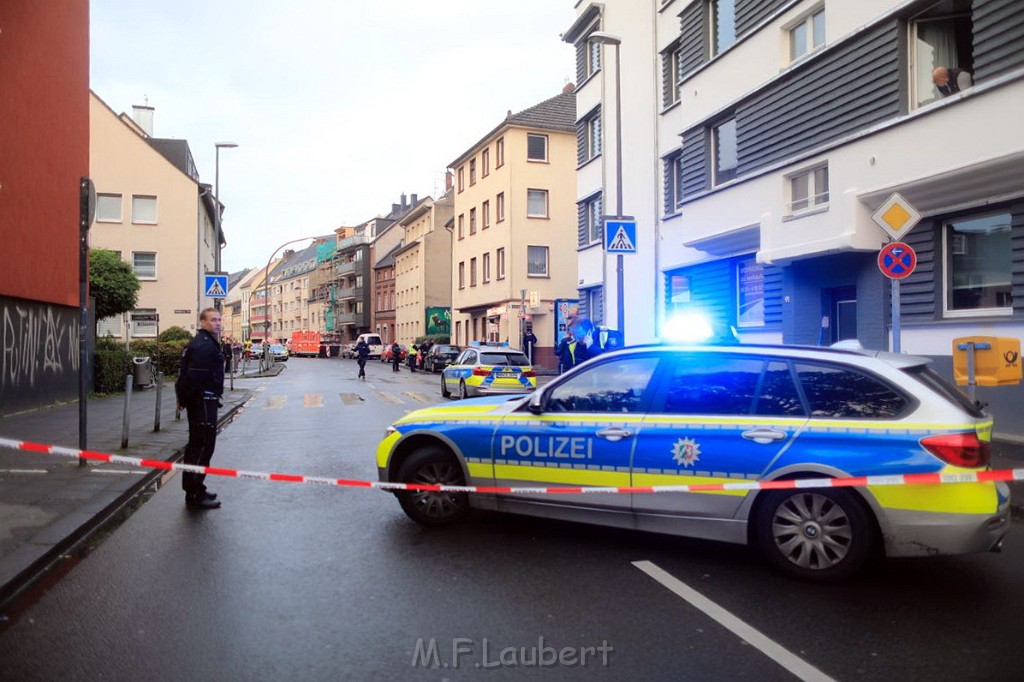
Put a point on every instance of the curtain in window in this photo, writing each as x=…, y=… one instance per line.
x=935, y=46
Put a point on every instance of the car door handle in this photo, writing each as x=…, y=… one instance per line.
x=614, y=433
x=765, y=435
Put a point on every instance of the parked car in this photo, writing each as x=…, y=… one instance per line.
x=348, y=350
x=487, y=369
x=279, y=352
x=385, y=355
x=256, y=351
x=440, y=356
x=654, y=416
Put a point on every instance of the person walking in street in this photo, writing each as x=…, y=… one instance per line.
x=199, y=389
x=396, y=356
x=362, y=354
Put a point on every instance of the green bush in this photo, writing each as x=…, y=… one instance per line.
x=112, y=366
x=434, y=339
x=174, y=334
x=108, y=342
x=167, y=356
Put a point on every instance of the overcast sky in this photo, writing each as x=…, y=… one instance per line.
x=338, y=106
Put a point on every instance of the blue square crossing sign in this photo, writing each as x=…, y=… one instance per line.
x=620, y=236
x=215, y=286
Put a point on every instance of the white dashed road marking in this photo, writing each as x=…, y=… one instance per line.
x=787, y=659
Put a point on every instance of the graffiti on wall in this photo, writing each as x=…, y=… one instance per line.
x=38, y=353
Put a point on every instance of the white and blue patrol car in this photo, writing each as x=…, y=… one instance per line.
x=488, y=369
x=669, y=415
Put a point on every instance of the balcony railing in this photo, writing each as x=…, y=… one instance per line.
x=358, y=319
x=349, y=292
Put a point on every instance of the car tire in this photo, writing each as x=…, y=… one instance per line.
x=463, y=390
x=433, y=466
x=821, y=535
x=445, y=393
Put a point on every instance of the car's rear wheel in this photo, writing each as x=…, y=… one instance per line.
x=445, y=393
x=821, y=535
x=433, y=466
x=463, y=391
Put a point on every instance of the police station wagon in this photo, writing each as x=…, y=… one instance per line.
x=488, y=369
x=670, y=415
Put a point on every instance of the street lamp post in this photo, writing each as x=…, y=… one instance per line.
x=602, y=38
x=219, y=303
x=266, y=300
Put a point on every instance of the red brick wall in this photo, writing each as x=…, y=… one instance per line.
x=44, y=145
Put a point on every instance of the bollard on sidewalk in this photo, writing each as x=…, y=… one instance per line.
x=159, y=392
x=127, y=407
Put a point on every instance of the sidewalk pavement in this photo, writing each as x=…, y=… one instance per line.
x=50, y=504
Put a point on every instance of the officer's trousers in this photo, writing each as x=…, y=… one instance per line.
x=202, y=438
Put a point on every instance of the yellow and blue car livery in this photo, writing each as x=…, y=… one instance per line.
x=580, y=430
x=488, y=369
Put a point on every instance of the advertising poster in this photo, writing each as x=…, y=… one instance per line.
x=750, y=297
x=439, y=321
x=565, y=309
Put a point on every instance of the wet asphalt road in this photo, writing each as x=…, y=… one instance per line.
x=305, y=582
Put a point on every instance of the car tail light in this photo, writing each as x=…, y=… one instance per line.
x=959, y=449
x=529, y=373
x=481, y=371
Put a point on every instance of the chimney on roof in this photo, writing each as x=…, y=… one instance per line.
x=395, y=208
x=509, y=114
x=404, y=199
x=142, y=114
x=449, y=181
x=412, y=199
x=569, y=87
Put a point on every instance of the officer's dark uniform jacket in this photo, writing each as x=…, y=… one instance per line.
x=201, y=370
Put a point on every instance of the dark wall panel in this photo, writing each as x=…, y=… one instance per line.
x=750, y=13
x=998, y=37
x=695, y=168
x=693, y=38
x=39, y=347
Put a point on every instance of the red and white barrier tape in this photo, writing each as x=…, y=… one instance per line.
x=849, y=482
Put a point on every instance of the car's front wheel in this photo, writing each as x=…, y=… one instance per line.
x=821, y=535
x=433, y=466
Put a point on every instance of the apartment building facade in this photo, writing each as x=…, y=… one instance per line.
x=513, y=254
x=152, y=209
x=423, y=270
x=289, y=292
x=384, y=296
x=782, y=126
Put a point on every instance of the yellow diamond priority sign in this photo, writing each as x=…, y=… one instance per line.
x=896, y=216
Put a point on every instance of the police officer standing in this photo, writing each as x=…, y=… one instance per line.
x=199, y=389
x=362, y=354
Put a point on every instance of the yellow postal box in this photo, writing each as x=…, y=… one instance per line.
x=997, y=365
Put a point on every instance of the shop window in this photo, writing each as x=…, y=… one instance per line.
x=978, y=252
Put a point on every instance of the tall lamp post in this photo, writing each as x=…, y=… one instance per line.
x=219, y=303
x=602, y=38
x=266, y=299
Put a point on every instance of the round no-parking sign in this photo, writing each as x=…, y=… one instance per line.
x=896, y=260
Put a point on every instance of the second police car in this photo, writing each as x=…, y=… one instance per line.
x=488, y=369
x=649, y=416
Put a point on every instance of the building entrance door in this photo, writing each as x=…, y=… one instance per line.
x=842, y=314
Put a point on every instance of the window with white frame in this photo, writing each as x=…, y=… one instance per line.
x=589, y=57
x=108, y=209
x=487, y=267
x=472, y=221
x=807, y=34
x=143, y=209
x=485, y=215
x=671, y=73
x=485, y=161
x=499, y=208
x=673, y=182
x=109, y=326
x=592, y=215
x=536, y=147
x=807, y=189
x=144, y=265
x=941, y=38
x=723, y=25
x=462, y=178
x=589, y=137
x=979, y=265
x=724, y=148
x=472, y=172
x=462, y=226
x=537, y=261
x=537, y=203
x=499, y=152
x=462, y=275
x=499, y=257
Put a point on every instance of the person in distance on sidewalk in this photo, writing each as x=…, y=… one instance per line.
x=199, y=389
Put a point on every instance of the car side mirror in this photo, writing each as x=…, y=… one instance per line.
x=536, y=403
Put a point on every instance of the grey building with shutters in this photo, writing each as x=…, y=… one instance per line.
x=780, y=127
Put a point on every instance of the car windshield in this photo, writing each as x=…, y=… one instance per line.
x=277, y=348
x=515, y=359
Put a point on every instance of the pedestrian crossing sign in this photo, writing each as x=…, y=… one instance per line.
x=620, y=236
x=216, y=286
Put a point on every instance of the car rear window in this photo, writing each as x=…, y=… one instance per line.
x=842, y=393
x=930, y=378
x=514, y=359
